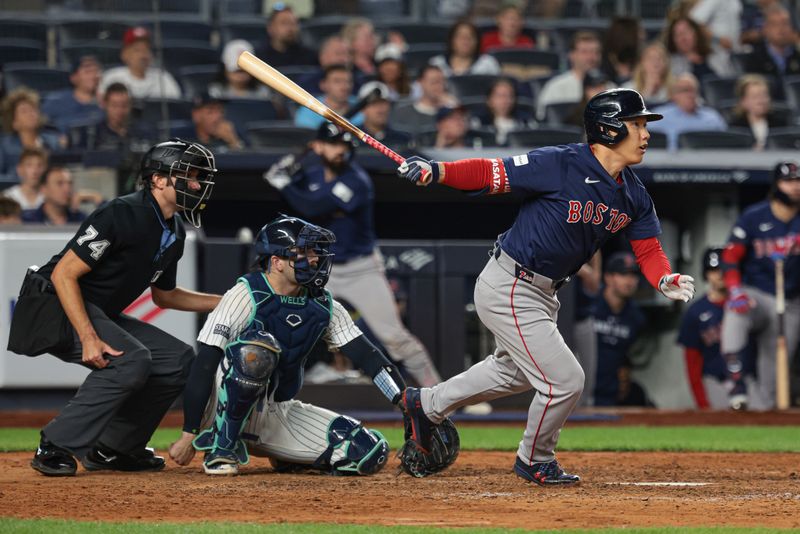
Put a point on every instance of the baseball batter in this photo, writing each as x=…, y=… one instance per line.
x=574, y=198
x=338, y=194
x=261, y=333
x=763, y=231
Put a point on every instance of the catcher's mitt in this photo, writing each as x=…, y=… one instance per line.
x=445, y=445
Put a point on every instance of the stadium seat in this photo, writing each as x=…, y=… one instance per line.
x=196, y=78
x=475, y=138
x=740, y=61
x=184, y=53
x=472, y=85
x=173, y=128
x=24, y=29
x=417, y=56
x=83, y=31
x=546, y=137
x=733, y=138
x=254, y=31
x=316, y=30
x=37, y=76
x=657, y=140
x=784, y=138
x=172, y=30
x=177, y=110
x=377, y=9
x=278, y=134
x=107, y=52
x=558, y=114
x=791, y=86
x=526, y=64
x=717, y=90
x=15, y=50
x=422, y=32
x=243, y=111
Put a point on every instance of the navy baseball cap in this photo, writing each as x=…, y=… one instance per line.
x=444, y=112
x=622, y=262
x=83, y=61
x=203, y=99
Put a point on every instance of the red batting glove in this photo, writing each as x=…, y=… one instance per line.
x=738, y=300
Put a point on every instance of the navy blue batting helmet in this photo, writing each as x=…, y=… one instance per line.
x=712, y=259
x=605, y=112
x=292, y=238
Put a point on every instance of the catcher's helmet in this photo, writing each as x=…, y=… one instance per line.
x=712, y=259
x=177, y=159
x=785, y=170
x=605, y=112
x=291, y=238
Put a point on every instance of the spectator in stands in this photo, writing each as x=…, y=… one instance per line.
x=584, y=55
x=30, y=169
x=378, y=106
x=618, y=321
x=690, y=50
x=141, y=78
x=77, y=106
x=337, y=88
x=753, y=16
x=283, y=47
x=723, y=18
x=333, y=51
x=57, y=208
x=594, y=81
x=23, y=124
x=463, y=55
x=420, y=114
x=233, y=82
x=9, y=211
x=391, y=70
x=502, y=115
x=685, y=113
x=776, y=54
x=210, y=127
x=753, y=109
x=117, y=130
x=359, y=34
x=621, y=44
x=652, y=75
x=509, y=31
x=451, y=127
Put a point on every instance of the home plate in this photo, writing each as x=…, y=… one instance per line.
x=668, y=484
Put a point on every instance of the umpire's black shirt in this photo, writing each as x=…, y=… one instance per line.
x=129, y=246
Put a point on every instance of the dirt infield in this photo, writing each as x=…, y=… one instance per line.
x=478, y=490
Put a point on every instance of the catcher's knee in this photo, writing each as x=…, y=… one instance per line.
x=353, y=449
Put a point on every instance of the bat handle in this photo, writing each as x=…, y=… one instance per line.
x=383, y=149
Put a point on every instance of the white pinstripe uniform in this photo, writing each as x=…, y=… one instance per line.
x=292, y=431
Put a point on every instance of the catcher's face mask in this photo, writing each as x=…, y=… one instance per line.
x=194, y=179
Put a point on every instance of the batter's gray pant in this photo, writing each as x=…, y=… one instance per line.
x=530, y=354
x=762, y=321
x=122, y=404
x=362, y=282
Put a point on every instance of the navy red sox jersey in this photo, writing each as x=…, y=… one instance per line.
x=344, y=206
x=572, y=207
x=616, y=332
x=760, y=232
x=700, y=329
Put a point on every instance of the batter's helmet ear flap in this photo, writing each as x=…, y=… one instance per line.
x=785, y=170
x=605, y=112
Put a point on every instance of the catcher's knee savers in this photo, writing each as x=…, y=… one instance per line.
x=248, y=364
x=365, y=451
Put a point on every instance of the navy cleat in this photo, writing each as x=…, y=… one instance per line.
x=421, y=426
x=103, y=458
x=545, y=473
x=221, y=462
x=53, y=461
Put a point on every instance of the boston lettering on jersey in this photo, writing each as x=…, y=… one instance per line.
x=571, y=207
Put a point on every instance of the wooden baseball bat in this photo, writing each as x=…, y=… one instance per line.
x=271, y=77
x=781, y=353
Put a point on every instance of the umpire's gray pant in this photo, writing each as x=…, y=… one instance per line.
x=122, y=404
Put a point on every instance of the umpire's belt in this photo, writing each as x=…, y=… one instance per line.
x=509, y=265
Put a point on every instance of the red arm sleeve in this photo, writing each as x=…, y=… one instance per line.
x=694, y=367
x=731, y=258
x=487, y=175
x=651, y=259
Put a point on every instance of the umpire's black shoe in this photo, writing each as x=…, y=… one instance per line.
x=53, y=461
x=104, y=458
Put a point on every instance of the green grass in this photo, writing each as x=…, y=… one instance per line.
x=35, y=526
x=595, y=438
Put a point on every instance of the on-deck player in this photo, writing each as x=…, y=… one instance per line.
x=574, y=198
x=763, y=231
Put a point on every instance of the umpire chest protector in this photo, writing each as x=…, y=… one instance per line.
x=296, y=322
